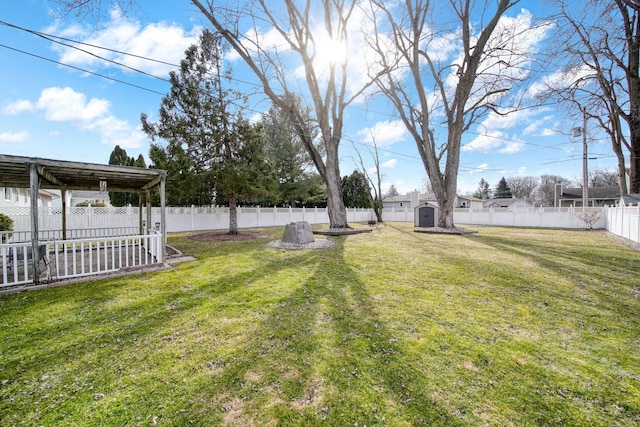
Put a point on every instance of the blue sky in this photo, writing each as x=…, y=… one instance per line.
x=53, y=111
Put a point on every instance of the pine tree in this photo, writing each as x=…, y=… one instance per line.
x=393, y=191
x=483, y=191
x=119, y=157
x=223, y=151
x=502, y=190
x=356, y=191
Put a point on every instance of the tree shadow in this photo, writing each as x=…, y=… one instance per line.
x=320, y=357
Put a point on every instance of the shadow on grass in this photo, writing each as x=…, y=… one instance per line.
x=581, y=264
x=96, y=338
x=322, y=357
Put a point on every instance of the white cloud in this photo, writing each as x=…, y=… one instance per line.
x=389, y=164
x=15, y=136
x=384, y=133
x=512, y=147
x=485, y=143
x=161, y=41
x=18, y=107
x=66, y=105
x=558, y=80
x=479, y=169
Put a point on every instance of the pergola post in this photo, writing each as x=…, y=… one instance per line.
x=63, y=194
x=149, y=226
x=140, y=212
x=35, y=253
x=163, y=223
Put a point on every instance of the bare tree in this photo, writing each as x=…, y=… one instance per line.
x=471, y=65
x=376, y=186
x=603, y=178
x=600, y=46
x=523, y=186
x=547, y=188
x=325, y=84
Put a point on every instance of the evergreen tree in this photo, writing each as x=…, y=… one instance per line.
x=502, y=190
x=356, y=192
x=483, y=191
x=184, y=187
x=221, y=150
x=393, y=191
x=119, y=157
x=292, y=164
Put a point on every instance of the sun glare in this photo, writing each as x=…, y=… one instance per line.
x=331, y=52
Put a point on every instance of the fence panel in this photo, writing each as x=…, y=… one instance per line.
x=624, y=222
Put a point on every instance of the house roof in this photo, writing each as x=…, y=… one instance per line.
x=90, y=195
x=612, y=193
x=66, y=175
x=407, y=198
x=507, y=202
x=630, y=199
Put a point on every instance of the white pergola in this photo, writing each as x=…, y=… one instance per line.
x=38, y=173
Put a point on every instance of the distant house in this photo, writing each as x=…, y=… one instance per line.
x=630, y=200
x=510, y=203
x=409, y=200
x=75, y=198
x=469, y=202
x=21, y=198
x=413, y=199
x=597, y=196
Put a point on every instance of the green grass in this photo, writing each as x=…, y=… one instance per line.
x=507, y=327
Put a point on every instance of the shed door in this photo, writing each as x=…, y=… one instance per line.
x=426, y=217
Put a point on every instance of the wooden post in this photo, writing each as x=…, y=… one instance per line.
x=163, y=220
x=149, y=225
x=140, y=212
x=63, y=194
x=35, y=252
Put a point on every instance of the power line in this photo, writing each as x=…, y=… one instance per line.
x=59, y=40
x=81, y=69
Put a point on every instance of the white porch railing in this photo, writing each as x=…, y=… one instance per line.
x=74, y=233
x=66, y=259
x=16, y=263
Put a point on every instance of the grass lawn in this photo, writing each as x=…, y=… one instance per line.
x=506, y=327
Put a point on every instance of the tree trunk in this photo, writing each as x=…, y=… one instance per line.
x=633, y=77
x=622, y=175
x=335, y=204
x=445, y=214
x=377, y=209
x=233, y=214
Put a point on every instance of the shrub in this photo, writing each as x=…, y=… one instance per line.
x=6, y=224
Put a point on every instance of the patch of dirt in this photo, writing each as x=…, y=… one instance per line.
x=629, y=243
x=223, y=236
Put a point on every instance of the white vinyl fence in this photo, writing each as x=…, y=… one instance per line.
x=520, y=217
x=194, y=218
x=624, y=222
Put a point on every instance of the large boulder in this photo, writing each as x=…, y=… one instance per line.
x=298, y=232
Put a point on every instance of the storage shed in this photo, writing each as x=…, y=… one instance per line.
x=425, y=215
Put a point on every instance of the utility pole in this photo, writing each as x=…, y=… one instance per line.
x=585, y=169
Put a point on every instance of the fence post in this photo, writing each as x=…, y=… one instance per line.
x=638, y=221
x=258, y=215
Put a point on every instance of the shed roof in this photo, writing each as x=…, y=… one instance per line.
x=66, y=175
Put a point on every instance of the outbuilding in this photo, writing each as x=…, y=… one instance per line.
x=426, y=215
